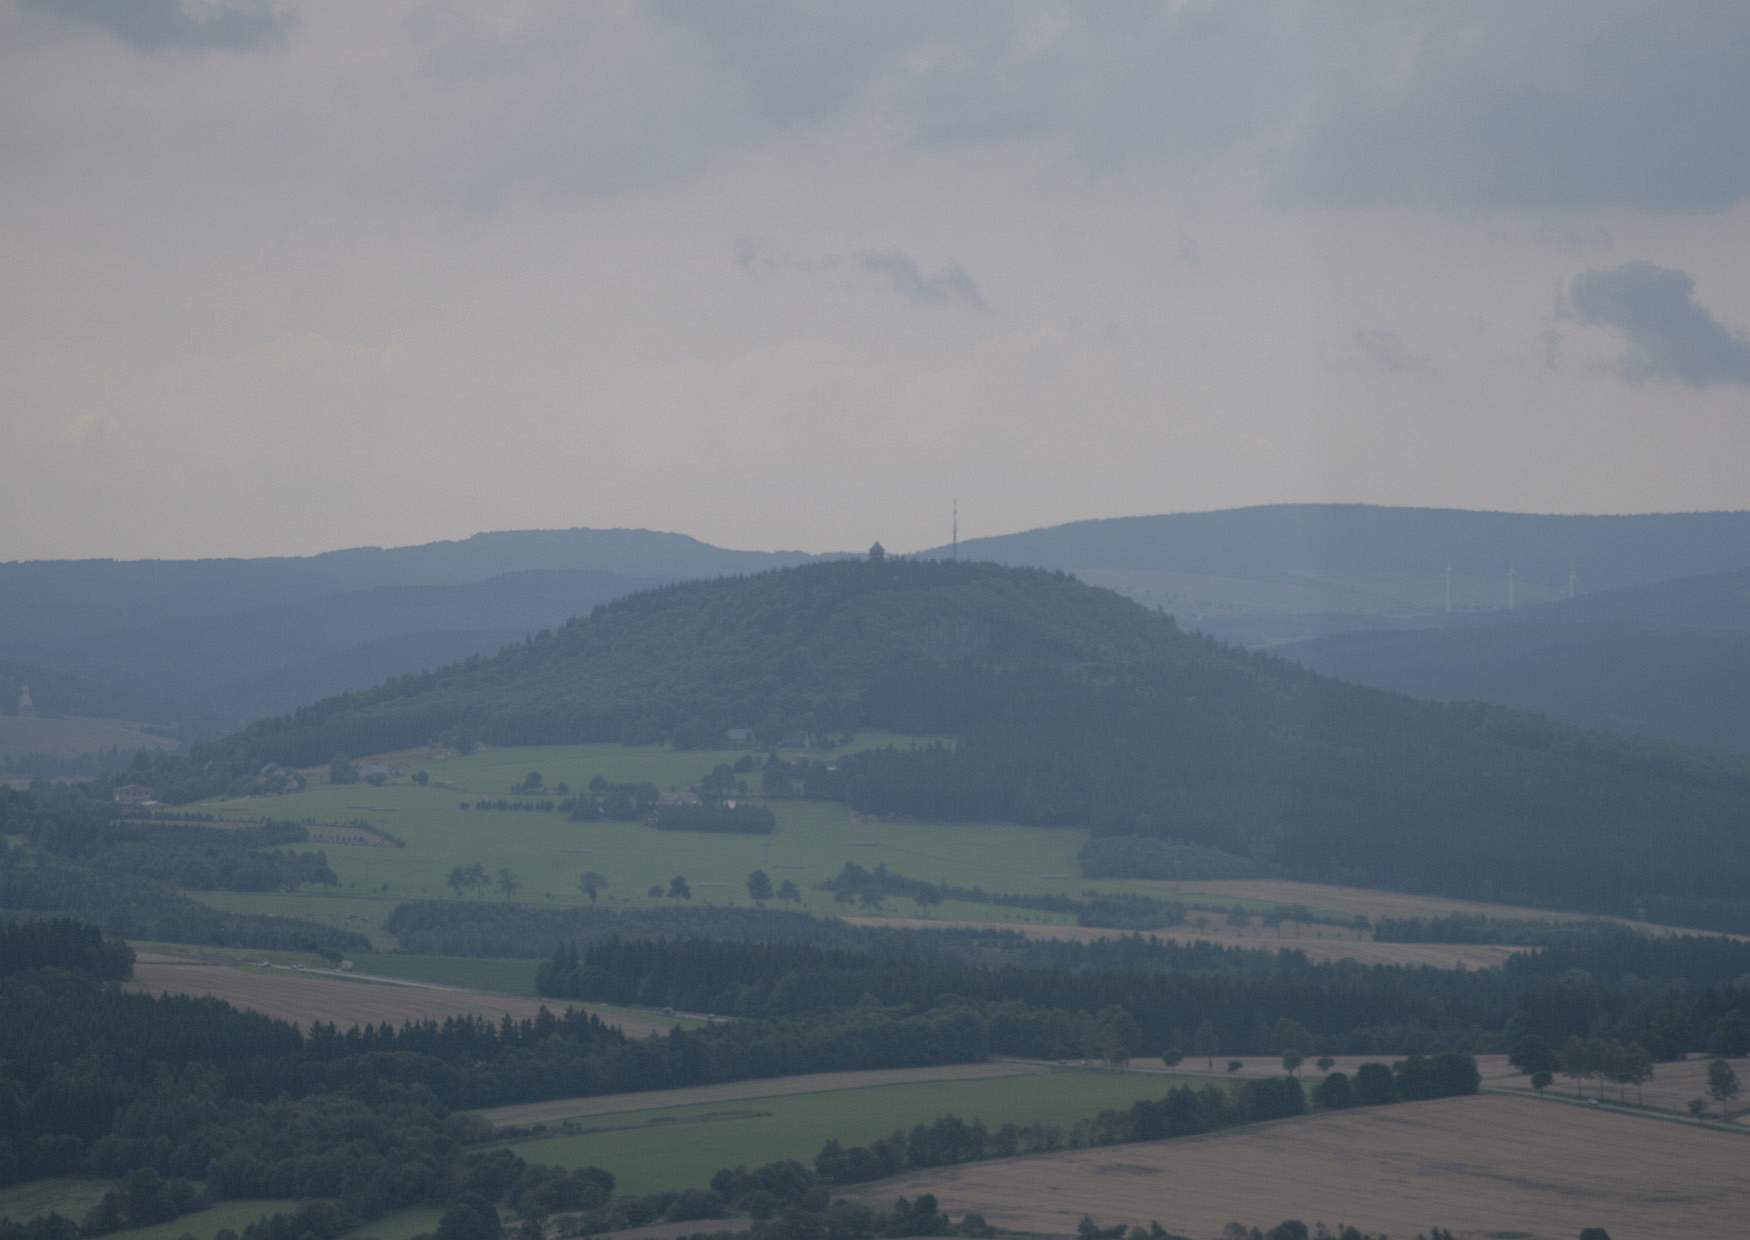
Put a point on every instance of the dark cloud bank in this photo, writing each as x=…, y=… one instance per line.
x=165, y=25
x=1670, y=335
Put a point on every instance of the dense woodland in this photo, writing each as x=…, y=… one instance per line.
x=75, y=856
x=1071, y=705
x=186, y=1101
x=1135, y=997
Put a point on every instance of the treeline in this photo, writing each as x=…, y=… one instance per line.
x=142, y=908
x=1182, y=1112
x=623, y=802
x=62, y=943
x=99, y=1081
x=77, y=858
x=1480, y=928
x=1041, y=1012
x=449, y=928
x=1137, y=997
x=1111, y=911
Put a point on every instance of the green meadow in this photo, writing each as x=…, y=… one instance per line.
x=73, y=1197
x=547, y=853
x=673, y=1148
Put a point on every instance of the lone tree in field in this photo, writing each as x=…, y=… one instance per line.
x=678, y=889
x=591, y=884
x=1698, y=1108
x=1172, y=1056
x=508, y=882
x=759, y=887
x=787, y=890
x=1204, y=1042
x=1326, y=1063
x=466, y=877
x=1291, y=1061
x=1722, y=1083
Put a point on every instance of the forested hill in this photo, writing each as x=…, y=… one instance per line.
x=810, y=649
x=1074, y=706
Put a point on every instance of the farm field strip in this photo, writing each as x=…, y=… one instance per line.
x=680, y=1147
x=1334, y=947
x=1374, y=903
x=527, y=1113
x=296, y=996
x=1671, y=1088
x=1482, y=1166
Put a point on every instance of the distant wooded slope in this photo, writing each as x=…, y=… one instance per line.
x=1075, y=706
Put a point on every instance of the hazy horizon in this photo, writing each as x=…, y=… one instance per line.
x=298, y=278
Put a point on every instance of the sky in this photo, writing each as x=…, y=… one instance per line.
x=281, y=277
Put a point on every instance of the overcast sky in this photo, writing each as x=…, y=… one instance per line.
x=284, y=277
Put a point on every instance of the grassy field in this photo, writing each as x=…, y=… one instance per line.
x=205, y=1224
x=68, y=1196
x=675, y=1147
x=547, y=854
x=1484, y=1167
x=303, y=998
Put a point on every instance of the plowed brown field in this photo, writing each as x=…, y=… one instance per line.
x=1483, y=1166
x=302, y=998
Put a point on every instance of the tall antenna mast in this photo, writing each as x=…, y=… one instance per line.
x=1449, y=589
x=956, y=530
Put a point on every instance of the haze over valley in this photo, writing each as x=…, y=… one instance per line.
x=782, y=620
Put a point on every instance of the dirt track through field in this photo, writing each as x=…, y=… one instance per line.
x=1484, y=1166
x=810, y=1083
x=303, y=999
x=1333, y=947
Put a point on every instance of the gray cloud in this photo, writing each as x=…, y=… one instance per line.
x=1669, y=334
x=1386, y=350
x=1547, y=104
x=1551, y=104
x=949, y=286
x=168, y=25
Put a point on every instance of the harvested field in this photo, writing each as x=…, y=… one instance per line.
x=1671, y=1088
x=1374, y=903
x=1331, y=945
x=810, y=1083
x=300, y=997
x=1484, y=1166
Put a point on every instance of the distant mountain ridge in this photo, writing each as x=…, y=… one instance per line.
x=1669, y=659
x=1265, y=575
x=206, y=645
x=209, y=644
